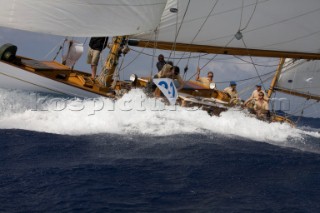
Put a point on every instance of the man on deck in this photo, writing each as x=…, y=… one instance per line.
x=205, y=80
x=261, y=107
x=96, y=45
x=161, y=62
x=255, y=95
x=232, y=91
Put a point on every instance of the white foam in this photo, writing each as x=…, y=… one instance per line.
x=76, y=117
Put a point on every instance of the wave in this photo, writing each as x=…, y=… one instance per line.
x=133, y=114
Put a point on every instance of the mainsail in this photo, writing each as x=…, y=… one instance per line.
x=82, y=18
x=301, y=78
x=280, y=28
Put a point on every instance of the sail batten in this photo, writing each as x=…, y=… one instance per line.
x=82, y=18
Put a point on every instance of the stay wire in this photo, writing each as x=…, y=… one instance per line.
x=154, y=51
x=135, y=58
x=255, y=68
x=201, y=27
x=254, y=10
x=178, y=31
x=222, y=48
x=59, y=50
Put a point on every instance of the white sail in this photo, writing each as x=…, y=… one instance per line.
x=279, y=25
x=82, y=18
x=301, y=78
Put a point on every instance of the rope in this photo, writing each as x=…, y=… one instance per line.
x=255, y=68
x=151, y=55
x=301, y=113
x=254, y=9
x=202, y=25
x=139, y=53
x=116, y=75
x=60, y=48
x=154, y=52
x=212, y=58
x=177, y=33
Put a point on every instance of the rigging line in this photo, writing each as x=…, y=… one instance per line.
x=241, y=15
x=254, y=9
x=217, y=54
x=186, y=67
x=268, y=25
x=202, y=25
x=139, y=53
x=151, y=55
x=315, y=110
x=272, y=103
x=246, y=79
x=127, y=4
x=285, y=20
x=60, y=48
x=232, y=10
x=85, y=41
x=177, y=19
x=301, y=113
x=255, y=68
x=154, y=52
x=212, y=58
x=177, y=33
x=204, y=54
x=294, y=76
x=294, y=39
x=304, y=107
x=203, y=66
x=248, y=62
x=250, y=88
x=119, y=68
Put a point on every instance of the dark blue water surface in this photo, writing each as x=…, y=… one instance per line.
x=43, y=172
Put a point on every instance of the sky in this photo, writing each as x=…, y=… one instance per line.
x=142, y=62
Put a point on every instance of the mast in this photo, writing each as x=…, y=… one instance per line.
x=276, y=77
x=112, y=61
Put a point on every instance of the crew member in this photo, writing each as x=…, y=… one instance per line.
x=205, y=80
x=96, y=45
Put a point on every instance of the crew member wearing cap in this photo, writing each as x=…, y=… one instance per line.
x=255, y=95
x=232, y=91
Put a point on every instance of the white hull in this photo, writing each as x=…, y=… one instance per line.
x=15, y=78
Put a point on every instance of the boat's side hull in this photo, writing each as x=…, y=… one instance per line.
x=12, y=77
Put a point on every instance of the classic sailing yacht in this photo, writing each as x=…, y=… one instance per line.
x=263, y=28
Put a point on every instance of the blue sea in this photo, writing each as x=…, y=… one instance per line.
x=84, y=155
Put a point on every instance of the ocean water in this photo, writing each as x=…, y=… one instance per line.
x=59, y=154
